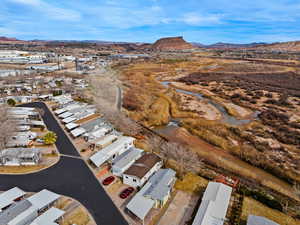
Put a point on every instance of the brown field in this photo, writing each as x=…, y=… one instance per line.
x=252, y=150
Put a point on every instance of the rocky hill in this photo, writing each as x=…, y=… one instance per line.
x=171, y=44
x=283, y=46
x=7, y=39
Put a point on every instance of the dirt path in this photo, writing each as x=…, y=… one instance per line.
x=229, y=162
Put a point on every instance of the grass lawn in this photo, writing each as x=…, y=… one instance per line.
x=253, y=207
x=191, y=183
x=78, y=217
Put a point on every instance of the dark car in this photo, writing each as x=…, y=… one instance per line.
x=125, y=193
x=108, y=180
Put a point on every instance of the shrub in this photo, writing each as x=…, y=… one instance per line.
x=11, y=102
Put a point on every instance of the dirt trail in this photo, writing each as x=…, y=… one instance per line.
x=229, y=162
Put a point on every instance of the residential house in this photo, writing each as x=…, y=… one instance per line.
x=7, y=198
x=122, y=162
x=139, y=172
x=110, y=152
x=20, y=156
x=214, y=205
x=155, y=193
x=259, y=220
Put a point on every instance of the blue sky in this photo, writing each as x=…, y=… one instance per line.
x=205, y=21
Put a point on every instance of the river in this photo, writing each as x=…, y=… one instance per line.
x=226, y=118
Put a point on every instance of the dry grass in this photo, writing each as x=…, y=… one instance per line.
x=252, y=207
x=191, y=183
x=78, y=217
x=20, y=169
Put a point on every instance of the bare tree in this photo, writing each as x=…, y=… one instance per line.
x=7, y=126
x=187, y=160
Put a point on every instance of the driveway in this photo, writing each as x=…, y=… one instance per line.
x=70, y=177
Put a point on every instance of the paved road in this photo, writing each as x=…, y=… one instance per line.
x=70, y=176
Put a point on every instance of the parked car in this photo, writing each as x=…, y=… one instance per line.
x=108, y=180
x=125, y=193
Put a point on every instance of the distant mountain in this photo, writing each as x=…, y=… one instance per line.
x=221, y=45
x=292, y=46
x=7, y=39
x=171, y=43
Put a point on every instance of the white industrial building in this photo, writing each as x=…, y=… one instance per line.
x=155, y=193
x=214, y=205
x=141, y=170
x=121, y=145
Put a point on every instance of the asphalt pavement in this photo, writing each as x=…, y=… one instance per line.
x=70, y=177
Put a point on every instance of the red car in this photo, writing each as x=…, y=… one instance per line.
x=108, y=180
x=125, y=193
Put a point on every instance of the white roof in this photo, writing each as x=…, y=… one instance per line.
x=65, y=115
x=78, y=131
x=106, y=139
x=43, y=198
x=8, y=197
x=49, y=216
x=71, y=126
x=259, y=220
x=60, y=111
x=106, y=153
x=126, y=159
x=140, y=205
x=29, y=213
x=214, y=205
x=69, y=119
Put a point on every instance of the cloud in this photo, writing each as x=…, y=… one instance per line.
x=195, y=19
x=51, y=11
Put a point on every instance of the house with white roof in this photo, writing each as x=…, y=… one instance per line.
x=214, y=205
x=155, y=193
x=122, y=162
x=103, y=141
x=259, y=220
x=20, y=156
x=31, y=211
x=49, y=217
x=110, y=152
x=43, y=199
x=9, y=197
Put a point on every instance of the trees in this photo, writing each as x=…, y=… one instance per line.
x=11, y=102
x=7, y=126
x=50, y=138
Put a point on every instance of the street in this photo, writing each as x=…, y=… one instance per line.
x=70, y=177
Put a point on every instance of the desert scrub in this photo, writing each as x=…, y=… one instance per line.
x=253, y=207
x=212, y=132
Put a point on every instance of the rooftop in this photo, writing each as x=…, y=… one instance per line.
x=143, y=165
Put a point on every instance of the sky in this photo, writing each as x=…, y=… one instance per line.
x=203, y=21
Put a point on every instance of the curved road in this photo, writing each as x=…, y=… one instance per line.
x=70, y=177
